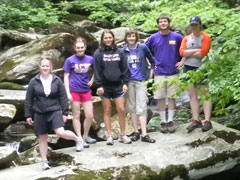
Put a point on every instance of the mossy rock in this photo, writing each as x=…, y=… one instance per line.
x=11, y=86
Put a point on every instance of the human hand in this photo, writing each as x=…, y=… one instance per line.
x=100, y=91
x=124, y=89
x=64, y=118
x=69, y=97
x=179, y=64
x=30, y=121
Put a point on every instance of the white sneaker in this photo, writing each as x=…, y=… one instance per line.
x=110, y=140
x=45, y=165
x=124, y=139
x=79, y=145
x=90, y=140
x=85, y=144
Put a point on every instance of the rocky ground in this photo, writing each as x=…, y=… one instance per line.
x=174, y=156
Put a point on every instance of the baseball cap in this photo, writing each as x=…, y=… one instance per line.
x=195, y=20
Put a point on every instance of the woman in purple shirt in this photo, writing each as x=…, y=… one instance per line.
x=77, y=84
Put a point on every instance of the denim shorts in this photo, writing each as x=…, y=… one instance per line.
x=112, y=91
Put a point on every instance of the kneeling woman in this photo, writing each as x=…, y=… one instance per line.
x=46, y=103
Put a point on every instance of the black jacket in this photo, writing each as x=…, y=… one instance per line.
x=110, y=67
x=37, y=101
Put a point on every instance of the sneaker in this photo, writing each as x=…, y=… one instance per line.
x=135, y=136
x=171, y=127
x=195, y=124
x=90, y=140
x=45, y=165
x=85, y=144
x=124, y=139
x=207, y=126
x=163, y=127
x=110, y=140
x=147, y=139
x=79, y=146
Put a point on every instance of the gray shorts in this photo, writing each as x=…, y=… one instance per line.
x=164, y=88
x=136, y=99
x=44, y=122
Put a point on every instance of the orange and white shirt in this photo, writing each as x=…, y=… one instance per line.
x=202, y=42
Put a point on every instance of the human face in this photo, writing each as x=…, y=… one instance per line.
x=45, y=67
x=80, y=49
x=195, y=28
x=131, y=39
x=163, y=24
x=108, y=39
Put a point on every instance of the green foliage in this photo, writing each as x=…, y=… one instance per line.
x=25, y=13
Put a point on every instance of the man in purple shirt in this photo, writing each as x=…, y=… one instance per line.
x=165, y=46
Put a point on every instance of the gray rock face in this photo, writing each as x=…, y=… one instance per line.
x=10, y=38
x=7, y=155
x=174, y=156
x=20, y=63
x=7, y=113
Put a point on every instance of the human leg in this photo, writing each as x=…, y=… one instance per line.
x=119, y=102
x=107, y=109
x=76, y=110
x=88, y=111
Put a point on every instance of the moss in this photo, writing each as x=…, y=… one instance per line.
x=92, y=175
x=5, y=67
x=57, y=159
x=12, y=86
x=229, y=137
x=199, y=142
x=214, y=159
x=172, y=171
x=140, y=172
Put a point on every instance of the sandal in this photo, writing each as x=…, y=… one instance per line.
x=135, y=136
x=147, y=139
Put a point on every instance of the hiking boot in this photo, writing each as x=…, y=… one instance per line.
x=124, y=139
x=85, y=144
x=110, y=140
x=171, y=127
x=45, y=165
x=79, y=145
x=90, y=140
x=163, y=127
x=147, y=139
x=135, y=136
x=195, y=124
x=207, y=126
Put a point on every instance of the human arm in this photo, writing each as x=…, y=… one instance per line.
x=90, y=83
x=28, y=103
x=66, y=84
x=62, y=97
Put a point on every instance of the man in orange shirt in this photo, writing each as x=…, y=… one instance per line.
x=194, y=47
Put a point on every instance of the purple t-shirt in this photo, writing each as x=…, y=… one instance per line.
x=78, y=68
x=134, y=66
x=166, y=52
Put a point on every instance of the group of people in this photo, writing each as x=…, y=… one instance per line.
x=119, y=75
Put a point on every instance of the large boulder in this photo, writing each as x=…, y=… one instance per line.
x=7, y=157
x=16, y=98
x=7, y=113
x=12, y=38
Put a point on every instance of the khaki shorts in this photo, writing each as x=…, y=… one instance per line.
x=136, y=99
x=165, y=88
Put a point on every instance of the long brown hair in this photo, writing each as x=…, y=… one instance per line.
x=102, y=45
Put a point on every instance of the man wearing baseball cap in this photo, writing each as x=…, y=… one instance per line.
x=194, y=47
